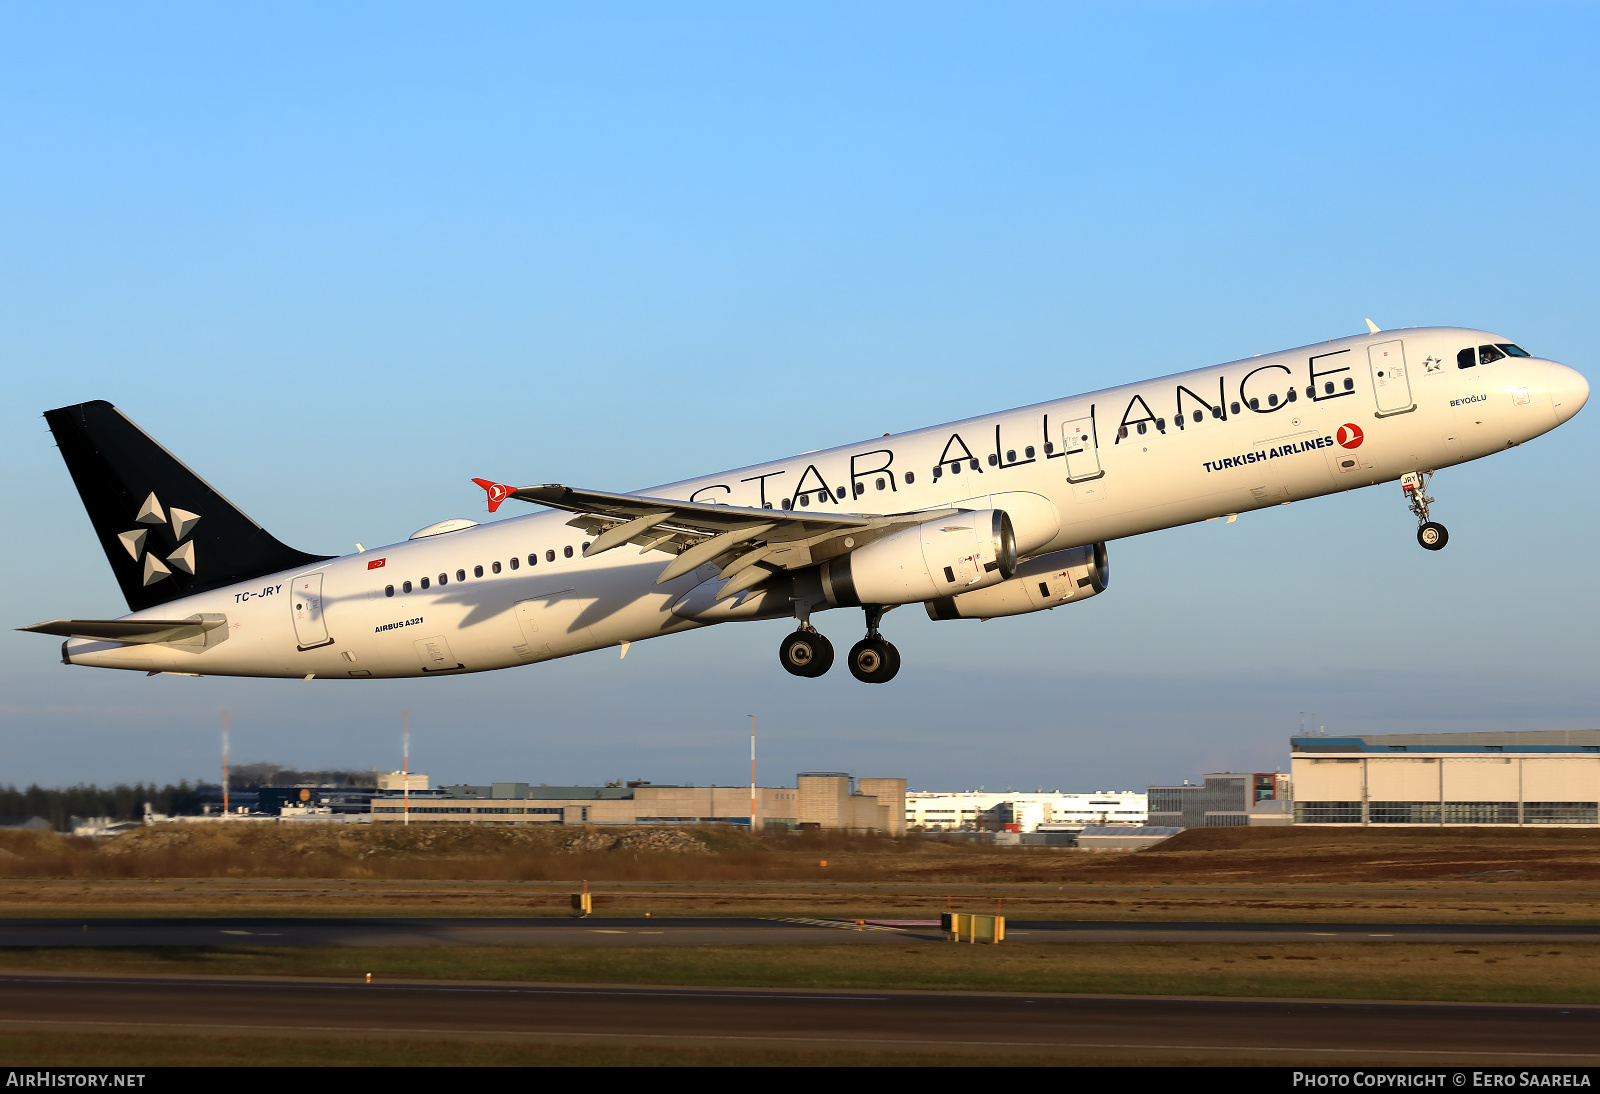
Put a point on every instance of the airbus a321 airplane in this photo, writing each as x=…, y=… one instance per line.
x=997, y=515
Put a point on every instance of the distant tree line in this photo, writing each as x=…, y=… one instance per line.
x=253, y=775
x=120, y=802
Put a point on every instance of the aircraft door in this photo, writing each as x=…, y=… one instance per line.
x=1080, y=445
x=305, y=601
x=1390, y=384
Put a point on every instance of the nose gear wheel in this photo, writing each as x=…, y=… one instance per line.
x=1430, y=534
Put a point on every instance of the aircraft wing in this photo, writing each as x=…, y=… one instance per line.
x=749, y=544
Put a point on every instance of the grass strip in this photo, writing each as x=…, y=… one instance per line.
x=52, y=1049
x=1510, y=972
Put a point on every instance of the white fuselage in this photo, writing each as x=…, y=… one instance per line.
x=1129, y=478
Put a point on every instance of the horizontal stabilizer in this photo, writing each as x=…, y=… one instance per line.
x=129, y=631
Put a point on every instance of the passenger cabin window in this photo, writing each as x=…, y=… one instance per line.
x=994, y=460
x=405, y=586
x=805, y=499
x=911, y=477
x=880, y=484
x=496, y=566
x=388, y=590
x=1349, y=384
x=1488, y=355
x=461, y=575
x=1028, y=452
x=1234, y=408
x=566, y=552
x=424, y=583
x=549, y=556
x=444, y=579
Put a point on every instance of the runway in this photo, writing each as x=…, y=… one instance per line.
x=286, y=931
x=1009, y=1025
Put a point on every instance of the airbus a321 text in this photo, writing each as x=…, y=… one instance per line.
x=997, y=515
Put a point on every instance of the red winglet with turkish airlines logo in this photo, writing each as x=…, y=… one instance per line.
x=498, y=492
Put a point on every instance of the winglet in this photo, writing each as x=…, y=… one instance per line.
x=498, y=492
x=1372, y=328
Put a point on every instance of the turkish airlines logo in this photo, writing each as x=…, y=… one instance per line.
x=1350, y=435
x=498, y=492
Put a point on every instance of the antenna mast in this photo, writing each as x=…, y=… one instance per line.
x=405, y=766
x=227, y=716
x=752, y=772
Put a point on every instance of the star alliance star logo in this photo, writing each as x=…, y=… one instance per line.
x=1432, y=364
x=181, y=559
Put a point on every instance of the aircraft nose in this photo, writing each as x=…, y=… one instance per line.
x=1568, y=391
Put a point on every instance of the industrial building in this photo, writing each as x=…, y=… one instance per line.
x=820, y=799
x=1549, y=777
x=1225, y=799
x=1015, y=811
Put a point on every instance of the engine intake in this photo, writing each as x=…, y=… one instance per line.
x=1040, y=583
x=938, y=558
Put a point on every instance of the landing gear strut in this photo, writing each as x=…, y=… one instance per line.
x=1414, y=484
x=874, y=660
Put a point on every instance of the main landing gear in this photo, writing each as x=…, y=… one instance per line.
x=1414, y=484
x=806, y=652
x=873, y=660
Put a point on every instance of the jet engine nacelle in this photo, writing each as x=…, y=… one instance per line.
x=954, y=554
x=1040, y=583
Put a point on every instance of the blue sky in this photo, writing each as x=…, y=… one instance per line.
x=341, y=261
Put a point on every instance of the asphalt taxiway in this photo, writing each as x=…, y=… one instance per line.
x=290, y=931
x=1005, y=1025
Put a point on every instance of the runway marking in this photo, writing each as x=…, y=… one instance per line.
x=836, y=924
x=778, y=1037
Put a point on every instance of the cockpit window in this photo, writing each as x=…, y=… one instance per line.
x=1466, y=358
x=1486, y=354
x=1511, y=350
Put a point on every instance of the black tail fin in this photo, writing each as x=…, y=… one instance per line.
x=166, y=532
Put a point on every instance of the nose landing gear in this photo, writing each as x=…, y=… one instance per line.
x=873, y=660
x=1414, y=485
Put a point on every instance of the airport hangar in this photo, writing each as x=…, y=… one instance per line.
x=1546, y=777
